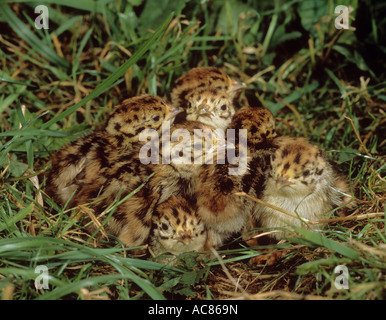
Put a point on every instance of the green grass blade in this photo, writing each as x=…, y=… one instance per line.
x=25, y=33
x=75, y=287
x=17, y=217
x=87, y=5
x=336, y=81
x=320, y=240
x=17, y=82
x=34, y=132
x=114, y=76
x=75, y=63
x=55, y=252
x=28, y=274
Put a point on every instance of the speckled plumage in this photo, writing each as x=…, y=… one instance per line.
x=301, y=182
x=210, y=106
x=177, y=228
x=202, y=78
x=106, y=165
x=192, y=144
x=80, y=161
x=132, y=220
x=221, y=209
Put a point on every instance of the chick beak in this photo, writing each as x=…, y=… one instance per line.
x=235, y=86
x=203, y=110
x=184, y=236
x=173, y=112
x=283, y=181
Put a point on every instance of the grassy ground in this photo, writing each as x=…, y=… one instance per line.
x=320, y=82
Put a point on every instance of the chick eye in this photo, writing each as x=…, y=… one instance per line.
x=156, y=118
x=223, y=107
x=164, y=226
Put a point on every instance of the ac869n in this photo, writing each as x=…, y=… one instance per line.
x=214, y=309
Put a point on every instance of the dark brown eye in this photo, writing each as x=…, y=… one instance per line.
x=223, y=107
x=156, y=118
x=306, y=173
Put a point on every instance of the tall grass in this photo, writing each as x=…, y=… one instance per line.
x=319, y=82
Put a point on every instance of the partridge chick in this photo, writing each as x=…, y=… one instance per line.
x=131, y=221
x=192, y=144
x=303, y=183
x=224, y=212
x=125, y=180
x=202, y=78
x=82, y=160
x=105, y=166
x=177, y=228
x=210, y=106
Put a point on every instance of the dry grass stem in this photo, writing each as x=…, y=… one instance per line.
x=358, y=137
x=224, y=268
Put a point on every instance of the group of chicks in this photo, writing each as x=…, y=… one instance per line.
x=182, y=206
